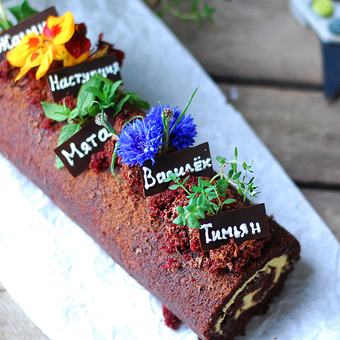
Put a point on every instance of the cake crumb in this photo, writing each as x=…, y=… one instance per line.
x=170, y=319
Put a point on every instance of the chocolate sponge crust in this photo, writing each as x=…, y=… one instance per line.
x=122, y=227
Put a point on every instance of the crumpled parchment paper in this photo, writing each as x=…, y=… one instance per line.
x=72, y=290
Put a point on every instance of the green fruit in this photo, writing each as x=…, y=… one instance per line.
x=323, y=8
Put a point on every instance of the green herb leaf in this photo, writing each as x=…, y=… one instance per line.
x=85, y=99
x=93, y=111
x=185, y=110
x=67, y=132
x=73, y=114
x=58, y=162
x=235, y=153
x=193, y=222
x=95, y=91
x=22, y=12
x=135, y=99
x=196, y=189
x=209, y=196
x=179, y=220
x=106, y=89
x=171, y=177
x=229, y=201
x=5, y=24
x=180, y=210
x=221, y=160
x=222, y=185
x=119, y=106
x=215, y=207
x=185, y=179
x=114, y=88
x=191, y=207
x=212, y=195
x=201, y=200
x=17, y=12
x=55, y=111
x=230, y=173
x=200, y=213
x=237, y=176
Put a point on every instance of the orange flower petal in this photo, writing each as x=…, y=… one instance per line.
x=28, y=45
x=59, y=29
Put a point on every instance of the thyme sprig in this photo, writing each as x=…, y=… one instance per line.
x=209, y=196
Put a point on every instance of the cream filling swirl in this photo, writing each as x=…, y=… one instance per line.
x=278, y=263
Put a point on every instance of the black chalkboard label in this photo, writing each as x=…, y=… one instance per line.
x=68, y=80
x=195, y=161
x=11, y=37
x=243, y=224
x=76, y=152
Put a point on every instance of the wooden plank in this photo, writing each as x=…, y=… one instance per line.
x=253, y=39
x=300, y=128
x=327, y=204
x=14, y=323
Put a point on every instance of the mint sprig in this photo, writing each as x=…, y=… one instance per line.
x=96, y=94
x=209, y=196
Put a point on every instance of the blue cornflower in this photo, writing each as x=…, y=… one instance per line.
x=139, y=141
x=184, y=133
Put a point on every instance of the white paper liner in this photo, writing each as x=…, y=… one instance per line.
x=72, y=290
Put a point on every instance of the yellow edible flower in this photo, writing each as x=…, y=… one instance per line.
x=40, y=50
x=27, y=46
x=59, y=30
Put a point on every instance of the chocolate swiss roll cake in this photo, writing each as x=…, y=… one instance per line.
x=214, y=291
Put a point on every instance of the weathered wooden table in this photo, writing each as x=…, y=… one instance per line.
x=270, y=68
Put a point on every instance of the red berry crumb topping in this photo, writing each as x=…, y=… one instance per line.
x=170, y=319
x=98, y=162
